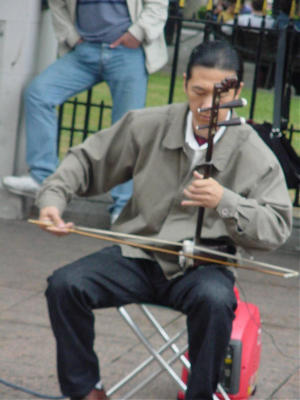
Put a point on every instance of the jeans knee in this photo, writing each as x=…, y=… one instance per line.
x=36, y=91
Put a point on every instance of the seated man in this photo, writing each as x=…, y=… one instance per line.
x=163, y=150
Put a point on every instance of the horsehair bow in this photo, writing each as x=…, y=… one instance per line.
x=157, y=245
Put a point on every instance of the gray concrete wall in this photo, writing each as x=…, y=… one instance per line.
x=21, y=36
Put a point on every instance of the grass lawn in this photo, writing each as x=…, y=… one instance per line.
x=158, y=92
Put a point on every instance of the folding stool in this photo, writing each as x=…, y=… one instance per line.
x=156, y=354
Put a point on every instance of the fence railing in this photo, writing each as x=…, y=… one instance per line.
x=74, y=128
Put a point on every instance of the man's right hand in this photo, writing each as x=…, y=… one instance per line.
x=53, y=223
x=127, y=40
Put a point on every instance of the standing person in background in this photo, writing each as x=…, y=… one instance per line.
x=114, y=41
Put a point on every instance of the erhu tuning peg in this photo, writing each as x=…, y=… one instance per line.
x=230, y=122
x=231, y=104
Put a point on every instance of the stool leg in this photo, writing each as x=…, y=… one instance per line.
x=148, y=345
x=155, y=354
x=144, y=364
x=164, y=334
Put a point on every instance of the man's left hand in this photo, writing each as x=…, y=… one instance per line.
x=127, y=40
x=203, y=192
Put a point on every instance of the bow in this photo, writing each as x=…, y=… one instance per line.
x=175, y=248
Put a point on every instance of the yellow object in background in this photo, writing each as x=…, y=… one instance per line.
x=265, y=7
x=209, y=5
x=293, y=9
x=237, y=7
x=181, y=3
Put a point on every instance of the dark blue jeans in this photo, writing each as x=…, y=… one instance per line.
x=107, y=279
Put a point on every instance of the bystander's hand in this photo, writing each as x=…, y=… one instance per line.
x=127, y=40
x=203, y=192
x=52, y=222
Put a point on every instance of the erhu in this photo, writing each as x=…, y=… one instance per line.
x=219, y=88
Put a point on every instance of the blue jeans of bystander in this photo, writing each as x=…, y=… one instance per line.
x=124, y=71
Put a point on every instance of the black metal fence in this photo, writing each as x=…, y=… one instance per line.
x=72, y=129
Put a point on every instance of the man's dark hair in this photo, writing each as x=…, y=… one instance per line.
x=217, y=54
x=257, y=5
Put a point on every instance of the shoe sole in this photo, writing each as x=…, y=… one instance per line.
x=20, y=192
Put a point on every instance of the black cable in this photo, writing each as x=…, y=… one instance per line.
x=282, y=383
x=263, y=328
x=36, y=394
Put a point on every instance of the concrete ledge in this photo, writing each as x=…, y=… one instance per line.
x=88, y=211
x=92, y=211
x=11, y=206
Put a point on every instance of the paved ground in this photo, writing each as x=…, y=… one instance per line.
x=29, y=255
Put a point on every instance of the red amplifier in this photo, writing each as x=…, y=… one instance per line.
x=239, y=371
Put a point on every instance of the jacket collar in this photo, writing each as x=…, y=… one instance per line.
x=175, y=136
x=232, y=138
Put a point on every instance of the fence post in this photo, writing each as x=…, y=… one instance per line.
x=74, y=111
x=257, y=66
x=59, y=124
x=175, y=60
x=87, y=114
x=279, y=78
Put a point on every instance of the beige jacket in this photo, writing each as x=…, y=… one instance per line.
x=148, y=17
x=148, y=145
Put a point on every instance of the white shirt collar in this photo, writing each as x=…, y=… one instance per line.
x=190, y=137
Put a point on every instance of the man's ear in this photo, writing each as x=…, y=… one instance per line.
x=239, y=90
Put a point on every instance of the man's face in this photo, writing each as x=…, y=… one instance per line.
x=199, y=90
